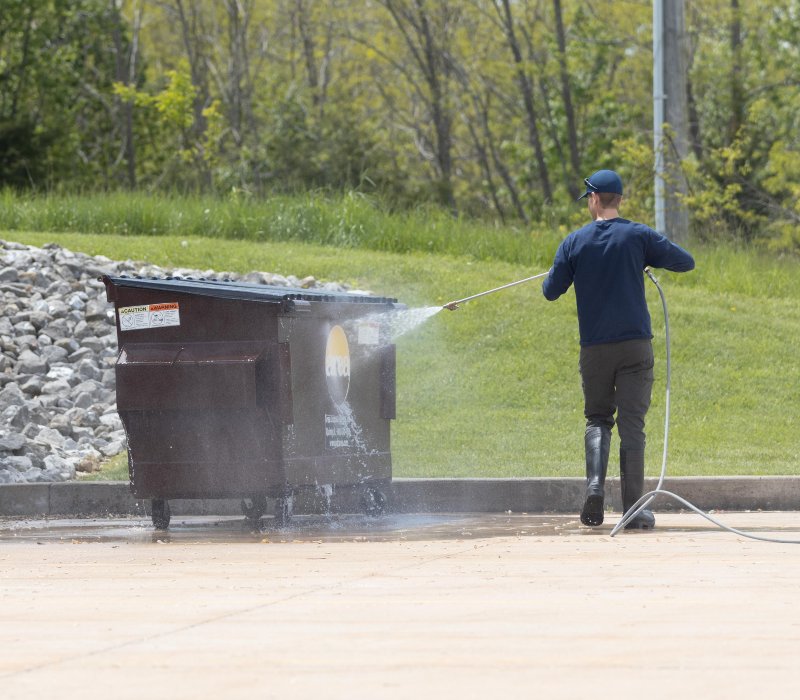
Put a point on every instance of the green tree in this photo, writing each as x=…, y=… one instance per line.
x=744, y=101
x=58, y=62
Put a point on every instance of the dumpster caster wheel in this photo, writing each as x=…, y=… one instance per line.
x=160, y=513
x=283, y=511
x=253, y=508
x=373, y=503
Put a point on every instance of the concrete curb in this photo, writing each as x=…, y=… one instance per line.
x=525, y=495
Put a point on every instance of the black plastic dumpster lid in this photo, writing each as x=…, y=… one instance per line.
x=227, y=289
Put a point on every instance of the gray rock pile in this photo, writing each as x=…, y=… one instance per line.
x=58, y=345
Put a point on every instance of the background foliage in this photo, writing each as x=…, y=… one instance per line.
x=492, y=108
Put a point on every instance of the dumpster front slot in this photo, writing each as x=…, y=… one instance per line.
x=168, y=376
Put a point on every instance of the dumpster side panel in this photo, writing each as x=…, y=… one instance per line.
x=200, y=400
x=339, y=435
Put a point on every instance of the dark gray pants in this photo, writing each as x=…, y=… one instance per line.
x=618, y=378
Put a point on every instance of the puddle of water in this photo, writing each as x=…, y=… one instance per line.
x=314, y=528
x=325, y=528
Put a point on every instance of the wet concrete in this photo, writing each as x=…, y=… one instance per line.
x=335, y=528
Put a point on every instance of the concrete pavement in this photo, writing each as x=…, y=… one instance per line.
x=426, y=606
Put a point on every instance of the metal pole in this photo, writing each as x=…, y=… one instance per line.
x=658, y=112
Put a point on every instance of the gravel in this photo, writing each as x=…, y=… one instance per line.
x=58, y=347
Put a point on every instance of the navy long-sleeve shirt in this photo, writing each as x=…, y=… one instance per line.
x=605, y=260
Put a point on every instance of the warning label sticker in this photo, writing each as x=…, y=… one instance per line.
x=136, y=318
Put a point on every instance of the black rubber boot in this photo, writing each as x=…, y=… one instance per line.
x=598, y=442
x=631, y=480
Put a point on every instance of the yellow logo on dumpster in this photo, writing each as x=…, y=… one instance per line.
x=337, y=364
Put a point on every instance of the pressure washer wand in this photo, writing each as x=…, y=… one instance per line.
x=453, y=305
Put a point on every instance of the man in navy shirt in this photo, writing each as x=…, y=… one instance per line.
x=605, y=260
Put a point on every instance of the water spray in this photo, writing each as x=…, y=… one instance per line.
x=453, y=305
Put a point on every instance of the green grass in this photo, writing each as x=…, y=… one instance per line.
x=493, y=389
x=114, y=469
x=345, y=221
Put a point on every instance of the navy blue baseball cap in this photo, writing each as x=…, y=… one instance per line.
x=602, y=181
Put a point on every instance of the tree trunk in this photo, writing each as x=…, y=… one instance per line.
x=676, y=116
x=483, y=161
x=235, y=70
x=566, y=170
x=526, y=87
x=126, y=74
x=317, y=73
x=192, y=34
x=482, y=107
x=569, y=112
x=23, y=63
x=737, y=95
x=432, y=60
x=695, y=135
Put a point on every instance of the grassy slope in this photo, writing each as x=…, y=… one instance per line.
x=493, y=389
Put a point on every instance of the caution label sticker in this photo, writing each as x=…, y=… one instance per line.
x=136, y=318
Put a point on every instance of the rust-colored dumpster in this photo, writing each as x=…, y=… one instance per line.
x=235, y=390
